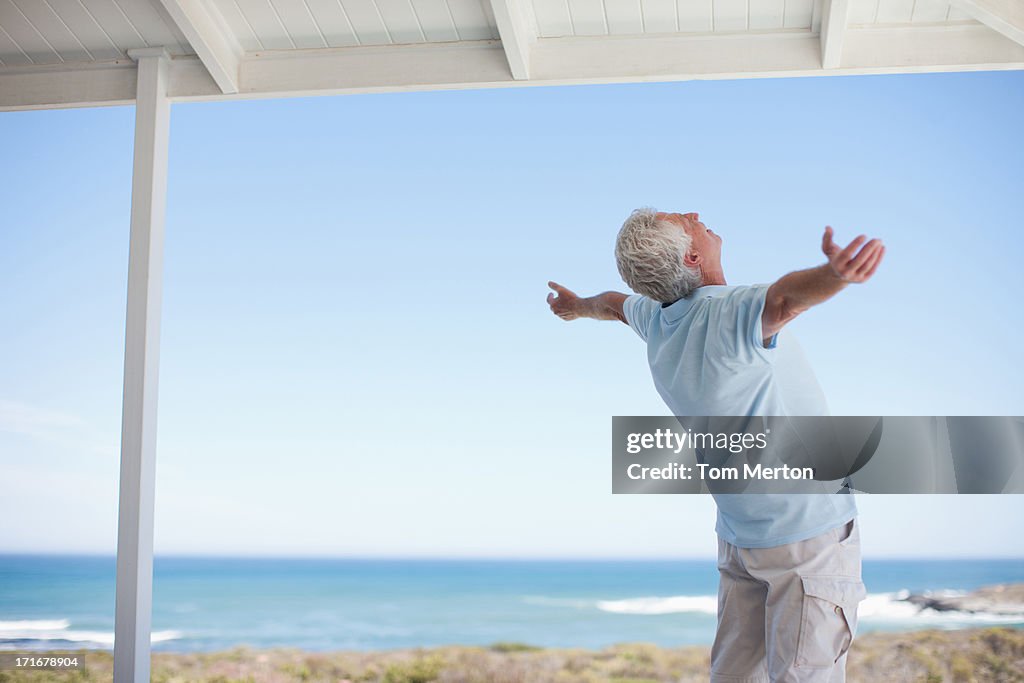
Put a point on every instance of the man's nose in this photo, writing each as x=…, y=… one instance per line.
x=692, y=216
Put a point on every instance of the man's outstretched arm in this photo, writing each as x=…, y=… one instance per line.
x=793, y=294
x=567, y=306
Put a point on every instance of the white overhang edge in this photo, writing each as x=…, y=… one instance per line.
x=553, y=61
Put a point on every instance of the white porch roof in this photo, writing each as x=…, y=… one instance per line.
x=61, y=53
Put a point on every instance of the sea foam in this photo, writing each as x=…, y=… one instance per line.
x=34, y=625
x=40, y=633
x=700, y=604
x=877, y=608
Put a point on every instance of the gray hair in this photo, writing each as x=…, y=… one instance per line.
x=649, y=253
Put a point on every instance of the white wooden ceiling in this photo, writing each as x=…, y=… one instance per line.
x=557, y=18
x=300, y=24
x=63, y=31
x=75, y=52
x=70, y=31
x=869, y=12
x=612, y=17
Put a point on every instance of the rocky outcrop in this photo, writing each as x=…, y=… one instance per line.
x=1003, y=599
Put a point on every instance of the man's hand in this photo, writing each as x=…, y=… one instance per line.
x=567, y=306
x=848, y=267
x=793, y=294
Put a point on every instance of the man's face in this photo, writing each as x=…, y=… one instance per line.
x=706, y=243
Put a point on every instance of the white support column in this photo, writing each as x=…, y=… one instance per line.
x=133, y=607
x=834, y=19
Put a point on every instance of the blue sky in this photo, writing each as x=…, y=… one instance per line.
x=356, y=353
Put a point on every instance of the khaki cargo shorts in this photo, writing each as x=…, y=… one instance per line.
x=788, y=613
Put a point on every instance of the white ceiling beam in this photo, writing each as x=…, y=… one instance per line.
x=665, y=57
x=865, y=51
x=555, y=61
x=968, y=47
x=834, y=20
x=1004, y=16
x=384, y=68
x=517, y=27
x=98, y=84
x=211, y=38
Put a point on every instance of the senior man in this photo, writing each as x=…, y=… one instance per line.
x=789, y=564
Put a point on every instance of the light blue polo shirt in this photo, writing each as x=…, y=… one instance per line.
x=707, y=357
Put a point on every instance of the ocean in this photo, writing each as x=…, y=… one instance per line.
x=204, y=604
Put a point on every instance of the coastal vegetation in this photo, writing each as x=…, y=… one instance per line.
x=967, y=656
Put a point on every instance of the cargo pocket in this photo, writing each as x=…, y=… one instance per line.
x=849, y=533
x=828, y=619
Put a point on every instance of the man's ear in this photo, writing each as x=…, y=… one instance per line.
x=692, y=259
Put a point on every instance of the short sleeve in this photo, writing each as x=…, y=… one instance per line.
x=749, y=305
x=640, y=311
x=739, y=323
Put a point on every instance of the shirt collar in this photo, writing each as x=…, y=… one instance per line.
x=677, y=309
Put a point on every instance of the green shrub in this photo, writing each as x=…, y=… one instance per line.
x=513, y=647
x=421, y=670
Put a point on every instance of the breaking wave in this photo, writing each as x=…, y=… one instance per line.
x=877, y=609
x=676, y=604
x=48, y=633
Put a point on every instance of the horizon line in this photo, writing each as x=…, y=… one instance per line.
x=471, y=558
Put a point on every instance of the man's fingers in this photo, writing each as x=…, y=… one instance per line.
x=864, y=256
x=857, y=275
x=562, y=301
x=874, y=266
x=863, y=266
x=846, y=254
x=559, y=288
x=855, y=263
x=826, y=240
